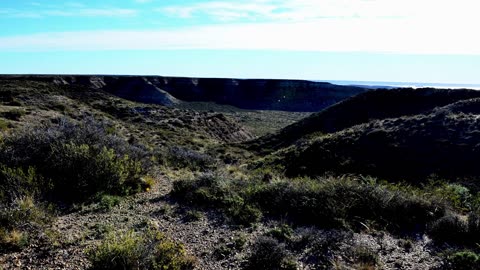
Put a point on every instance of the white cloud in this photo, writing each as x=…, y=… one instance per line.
x=92, y=12
x=408, y=26
x=290, y=9
x=73, y=11
x=341, y=35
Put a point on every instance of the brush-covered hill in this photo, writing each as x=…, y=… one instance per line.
x=396, y=134
x=363, y=108
x=132, y=172
x=25, y=101
x=257, y=94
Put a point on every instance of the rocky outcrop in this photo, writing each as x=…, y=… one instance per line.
x=263, y=94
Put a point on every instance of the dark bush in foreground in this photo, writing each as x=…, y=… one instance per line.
x=149, y=250
x=329, y=202
x=457, y=230
x=449, y=228
x=78, y=160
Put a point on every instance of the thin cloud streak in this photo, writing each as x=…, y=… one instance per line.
x=334, y=35
x=77, y=12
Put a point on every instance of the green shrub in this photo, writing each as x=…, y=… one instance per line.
x=22, y=212
x=79, y=160
x=464, y=260
x=329, y=202
x=4, y=125
x=269, y=254
x=179, y=157
x=131, y=250
x=216, y=191
x=81, y=171
x=16, y=183
x=281, y=233
x=107, y=202
x=13, y=240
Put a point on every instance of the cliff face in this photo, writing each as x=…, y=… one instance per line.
x=288, y=95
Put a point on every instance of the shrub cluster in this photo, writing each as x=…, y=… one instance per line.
x=213, y=190
x=328, y=202
x=149, y=250
x=72, y=161
x=179, y=157
x=463, y=260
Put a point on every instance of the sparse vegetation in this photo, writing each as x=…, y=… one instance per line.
x=328, y=202
x=463, y=260
x=336, y=190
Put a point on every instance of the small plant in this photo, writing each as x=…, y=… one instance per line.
x=268, y=254
x=13, y=239
x=107, y=202
x=4, y=125
x=132, y=250
x=464, y=260
x=226, y=249
x=281, y=233
x=239, y=241
x=365, y=258
x=192, y=215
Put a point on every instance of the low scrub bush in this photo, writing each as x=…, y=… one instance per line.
x=13, y=239
x=18, y=220
x=17, y=182
x=212, y=190
x=179, y=157
x=328, y=202
x=269, y=254
x=450, y=228
x=457, y=230
x=78, y=160
x=281, y=233
x=133, y=250
x=463, y=260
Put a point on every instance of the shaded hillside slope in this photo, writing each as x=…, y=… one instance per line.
x=444, y=141
x=36, y=101
x=262, y=94
x=365, y=107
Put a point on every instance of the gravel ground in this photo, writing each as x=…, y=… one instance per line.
x=64, y=243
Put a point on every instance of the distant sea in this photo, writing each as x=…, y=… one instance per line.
x=373, y=84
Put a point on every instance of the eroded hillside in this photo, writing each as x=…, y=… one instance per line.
x=124, y=172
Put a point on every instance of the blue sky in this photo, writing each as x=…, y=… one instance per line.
x=369, y=40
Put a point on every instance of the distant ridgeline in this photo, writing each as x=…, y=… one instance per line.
x=262, y=94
